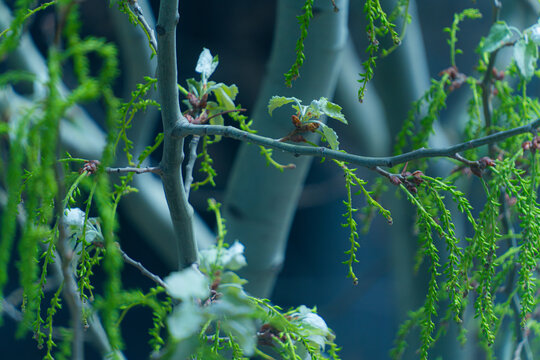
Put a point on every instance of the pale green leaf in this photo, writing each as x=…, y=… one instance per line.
x=499, y=34
x=534, y=34
x=185, y=320
x=525, y=55
x=332, y=110
x=279, y=101
x=218, y=120
x=244, y=332
x=187, y=284
x=206, y=64
x=231, y=258
x=225, y=95
x=330, y=136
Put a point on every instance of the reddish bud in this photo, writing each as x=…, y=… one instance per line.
x=90, y=167
x=485, y=162
x=497, y=75
x=417, y=177
x=296, y=121
x=312, y=127
x=204, y=101
x=395, y=180
x=526, y=145
x=536, y=143
x=193, y=100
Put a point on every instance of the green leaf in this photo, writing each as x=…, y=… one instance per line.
x=315, y=327
x=525, y=55
x=244, y=332
x=229, y=277
x=231, y=258
x=534, y=34
x=330, y=136
x=206, y=64
x=218, y=120
x=187, y=284
x=225, y=95
x=279, y=101
x=194, y=86
x=332, y=110
x=185, y=320
x=499, y=34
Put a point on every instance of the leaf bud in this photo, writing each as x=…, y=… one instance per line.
x=193, y=100
x=312, y=127
x=485, y=162
x=296, y=121
x=395, y=180
x=203, y=101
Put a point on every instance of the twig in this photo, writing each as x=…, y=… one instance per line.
x=225, y=112
x=141, y=268
x=137, y=10
x=521, y=334
x=184, y=129
x=155, y=170
x=191, y=163
x=66, y=254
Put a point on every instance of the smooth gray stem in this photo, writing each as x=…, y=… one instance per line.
x=173, y=153
x=191, y=162
x=147, y=208
x=184, y=129
x=260, y=201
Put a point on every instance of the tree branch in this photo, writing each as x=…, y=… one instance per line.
x=141, y=268
x=191, y=163
x=173, y=155
x=155, y=170
x=183, y=129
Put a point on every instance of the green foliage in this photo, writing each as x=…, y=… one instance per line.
x=352, y=180
x=490, y=264
x=310, y=114
x=465, y=14
x=374, y=12
x=304, y=21
x=216, y=317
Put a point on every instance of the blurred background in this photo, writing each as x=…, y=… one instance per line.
x=365, y=317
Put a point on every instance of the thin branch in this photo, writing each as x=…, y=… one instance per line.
x=141, y=268
x=155, y=170
x=184, y=129
x=137, y=10
x=191, y=163
x=66, y=254
x=225, y=112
